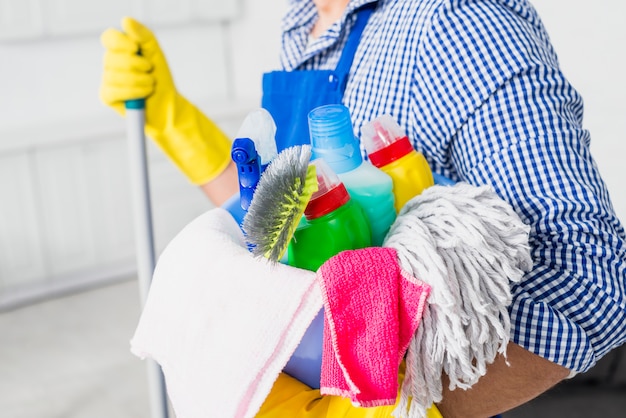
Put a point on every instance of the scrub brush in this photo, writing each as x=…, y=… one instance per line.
x=281, y=196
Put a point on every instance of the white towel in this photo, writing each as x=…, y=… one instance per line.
x=221, y=323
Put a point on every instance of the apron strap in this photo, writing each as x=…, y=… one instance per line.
x=349, y=50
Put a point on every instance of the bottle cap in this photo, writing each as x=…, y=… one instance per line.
x=260, y=127
x=384, y=140
x=330, y=195
x=243, y=151
x=332, y=138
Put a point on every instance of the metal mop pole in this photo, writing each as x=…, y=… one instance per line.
x=144, y=238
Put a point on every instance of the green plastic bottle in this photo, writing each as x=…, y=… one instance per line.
x=389, y=149
x=334, y=223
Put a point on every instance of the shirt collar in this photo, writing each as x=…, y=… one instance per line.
x=298, y=24
x=303, y=13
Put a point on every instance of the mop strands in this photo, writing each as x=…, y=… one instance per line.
x=467, y=244
x=281, y=196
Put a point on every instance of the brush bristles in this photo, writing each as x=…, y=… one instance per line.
x=279, y=201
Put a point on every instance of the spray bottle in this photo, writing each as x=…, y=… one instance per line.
x=259, y=126
x=389, y=149
x=252, y=151
x=248, y=163
x=333, y=223
x=332, y=138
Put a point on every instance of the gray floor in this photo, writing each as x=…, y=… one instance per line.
x=69, y=358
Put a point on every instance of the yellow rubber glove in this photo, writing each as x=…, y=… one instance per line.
x=192, y=141
x=291, y=398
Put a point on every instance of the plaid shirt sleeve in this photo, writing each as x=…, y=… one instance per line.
x=489, y=81
x=476, y=84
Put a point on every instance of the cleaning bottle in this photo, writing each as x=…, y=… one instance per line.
x=248, y=162
x=260, y=127
x=332, y=138
x=333, y=223
x=253, y=149
x=389, y=149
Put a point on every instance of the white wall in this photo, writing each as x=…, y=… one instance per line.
x=65, y=217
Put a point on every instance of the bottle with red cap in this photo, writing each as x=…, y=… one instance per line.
x=389, y=149
x=333, y=223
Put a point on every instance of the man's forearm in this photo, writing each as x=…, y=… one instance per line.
x=220, y=189
x=504, y=386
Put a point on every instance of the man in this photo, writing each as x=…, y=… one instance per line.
x=476, y=85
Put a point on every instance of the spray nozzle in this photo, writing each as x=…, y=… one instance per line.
x=380, y=132
x=384, y=140
x=252, y=150
x=245, y=156
x=260, y=127
x=331, y=192
x=243, y=151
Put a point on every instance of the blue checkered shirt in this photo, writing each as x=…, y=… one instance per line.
x=477, y=87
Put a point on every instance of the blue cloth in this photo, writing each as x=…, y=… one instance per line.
x=477, y=87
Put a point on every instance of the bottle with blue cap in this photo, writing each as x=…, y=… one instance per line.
x=333, y=139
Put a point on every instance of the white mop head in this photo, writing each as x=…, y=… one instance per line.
x=467, y=244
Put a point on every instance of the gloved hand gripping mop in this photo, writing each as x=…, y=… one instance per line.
x=128, y=78
x=192, y=141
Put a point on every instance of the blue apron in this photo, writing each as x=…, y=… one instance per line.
x=289, y=96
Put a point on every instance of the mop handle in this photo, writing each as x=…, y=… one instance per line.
x=144, y=237
x=135, y=120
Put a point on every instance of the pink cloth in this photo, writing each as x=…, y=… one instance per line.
x=372, y=309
